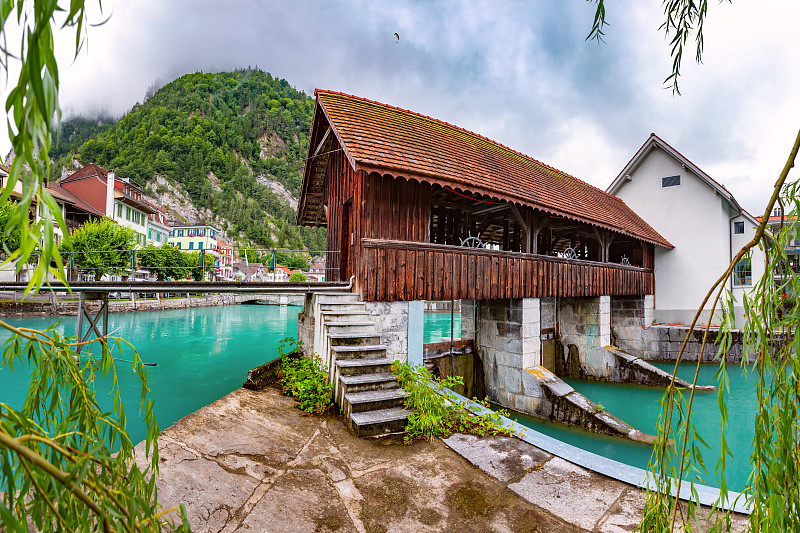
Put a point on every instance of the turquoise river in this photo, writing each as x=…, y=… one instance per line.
x=202, y=354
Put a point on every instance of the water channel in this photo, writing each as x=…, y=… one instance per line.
x=202, y=354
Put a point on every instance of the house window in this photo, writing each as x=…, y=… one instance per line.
x=119, y=211
x=127, y=213
x=738, y=228
x=179, y=246
x=191, y=245
x=199, y=245
x=158, y=235
x=150, y=234
x=743, y=273
x=670, y=181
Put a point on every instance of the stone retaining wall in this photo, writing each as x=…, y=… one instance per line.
x=70, y=307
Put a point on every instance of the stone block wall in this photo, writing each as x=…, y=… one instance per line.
x=305, y=326
x=391, y=320
x=506, y=340
x=584, y=329
x=670, y=338
x=627, y=332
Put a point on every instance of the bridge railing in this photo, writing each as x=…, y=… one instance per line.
x=402, y=271
x=260, y=264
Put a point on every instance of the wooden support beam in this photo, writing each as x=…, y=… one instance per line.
x=322, y=142
x=491, y=209
x=520, y=220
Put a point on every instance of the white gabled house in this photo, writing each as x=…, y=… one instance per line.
x=701, y=218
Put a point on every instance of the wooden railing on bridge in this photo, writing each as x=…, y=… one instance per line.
x=402, y=271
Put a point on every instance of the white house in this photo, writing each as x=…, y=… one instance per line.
x=701, y=218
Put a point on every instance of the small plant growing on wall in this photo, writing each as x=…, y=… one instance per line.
x=437, y=412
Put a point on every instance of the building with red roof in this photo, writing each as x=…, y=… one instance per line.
x=405, y=196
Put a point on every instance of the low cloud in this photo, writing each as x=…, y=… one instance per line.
x=518, y=72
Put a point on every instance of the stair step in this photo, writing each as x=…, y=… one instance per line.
x=342, y=323
x=362, y=348
x=364, y=379
x=354, y=338
x=373, y=400
x=345, y=313
x=365, y=382
x=352, y=363
x=354, y=367
x=375, y=396
x=380, y=422
x=356, y=352
x=340, y=302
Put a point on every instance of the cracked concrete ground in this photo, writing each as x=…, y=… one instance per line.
x=251, y=461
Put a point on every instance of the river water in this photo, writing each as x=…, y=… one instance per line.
x=204, y=353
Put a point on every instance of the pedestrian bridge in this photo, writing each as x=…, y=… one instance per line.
x=105, y=287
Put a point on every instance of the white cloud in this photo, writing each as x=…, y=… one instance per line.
x=518, y=72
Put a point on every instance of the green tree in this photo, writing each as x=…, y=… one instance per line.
x=298, y=276
x=101, y=247
x=197, y=265
x=164, y=261
x=9, y=238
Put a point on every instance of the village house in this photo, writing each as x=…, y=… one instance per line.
x=316, y=272
x=701, y=218
x=117, y=198
x=249, y=272
x=224, y=268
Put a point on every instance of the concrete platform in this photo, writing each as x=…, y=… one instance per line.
x=251, y=461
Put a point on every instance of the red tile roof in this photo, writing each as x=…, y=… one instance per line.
x=380, y=137
x=65, y=195
x=88, y=171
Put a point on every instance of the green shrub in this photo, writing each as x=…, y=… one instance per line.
x=305, y=379
x=436, y=410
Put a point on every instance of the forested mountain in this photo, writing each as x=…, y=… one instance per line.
x=221, y=137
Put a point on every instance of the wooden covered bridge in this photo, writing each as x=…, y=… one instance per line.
x=419, y=209
x=423, y=210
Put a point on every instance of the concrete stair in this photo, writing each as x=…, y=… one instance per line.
x=365, y=389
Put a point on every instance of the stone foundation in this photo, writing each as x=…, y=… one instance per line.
x=391, y=321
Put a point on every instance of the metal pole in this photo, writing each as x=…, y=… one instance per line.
x=79, y=336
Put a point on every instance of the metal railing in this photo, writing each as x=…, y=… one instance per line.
x=84, y=265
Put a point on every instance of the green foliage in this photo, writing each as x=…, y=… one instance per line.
x=436, y=410
x=101, y=247
x=65, y=463
x=9, y=238
x=298, y=277
x=305, y=379
x=198, y=265
x=291, y=259
x=165, y=261
x=212, y=123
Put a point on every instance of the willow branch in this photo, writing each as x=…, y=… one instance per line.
x=722, y=279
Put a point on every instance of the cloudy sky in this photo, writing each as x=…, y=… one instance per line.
x=519, y=72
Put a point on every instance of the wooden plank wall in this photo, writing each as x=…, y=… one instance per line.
x=402, y=271
x=396, y=209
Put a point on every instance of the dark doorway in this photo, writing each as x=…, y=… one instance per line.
x=347, y=241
